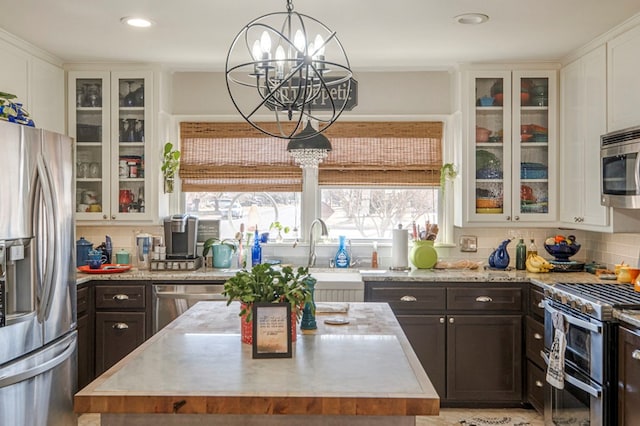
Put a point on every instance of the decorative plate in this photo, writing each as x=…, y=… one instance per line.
x=107, y=268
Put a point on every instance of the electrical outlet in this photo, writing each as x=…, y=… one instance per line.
x=468, y=243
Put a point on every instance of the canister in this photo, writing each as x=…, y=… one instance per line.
x=83, y=247
x=122, y=257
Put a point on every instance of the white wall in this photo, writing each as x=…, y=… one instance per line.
x=379, y=93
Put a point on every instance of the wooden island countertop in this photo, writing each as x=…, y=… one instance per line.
x=364, y=372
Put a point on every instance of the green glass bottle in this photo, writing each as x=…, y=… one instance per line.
x=521, y=255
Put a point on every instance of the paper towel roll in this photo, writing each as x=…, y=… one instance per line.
x=400, y=248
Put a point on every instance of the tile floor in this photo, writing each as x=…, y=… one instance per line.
x=448, y=416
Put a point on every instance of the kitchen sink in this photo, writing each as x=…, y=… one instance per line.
x=338, y=285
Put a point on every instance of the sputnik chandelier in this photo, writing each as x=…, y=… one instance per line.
x=291, y=66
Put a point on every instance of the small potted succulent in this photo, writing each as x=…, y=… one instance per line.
x=266, y=283
x=281, y=228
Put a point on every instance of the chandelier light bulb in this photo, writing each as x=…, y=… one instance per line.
x=299, y=41
x=265, y=43
x=319, y=44
x=256, y=51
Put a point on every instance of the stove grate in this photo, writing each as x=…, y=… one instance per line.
x=616, y=295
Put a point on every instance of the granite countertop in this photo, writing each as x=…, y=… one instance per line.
x=366, y=367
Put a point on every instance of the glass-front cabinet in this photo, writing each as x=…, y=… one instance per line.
x=511, y=146
x=111, y=121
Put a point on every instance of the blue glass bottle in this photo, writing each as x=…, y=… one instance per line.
x=342, y=259
x=256, y=250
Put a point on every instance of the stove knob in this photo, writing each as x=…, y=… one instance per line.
x=564, y=299
x=578, y=305
x=573, y=304
x=588, y=308
x=547, y=293
x=558, y=297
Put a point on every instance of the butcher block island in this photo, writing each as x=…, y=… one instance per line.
x=197, y=371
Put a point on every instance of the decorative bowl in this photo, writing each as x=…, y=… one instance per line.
x=562, y=251
x=482, y=134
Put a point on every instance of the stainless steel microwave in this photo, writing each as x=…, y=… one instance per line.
x=620, y=168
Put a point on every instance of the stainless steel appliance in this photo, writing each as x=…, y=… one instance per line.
x=180, y=234
x=590, y=385
x=620, y=168
x=172, y=300
x=37, y=278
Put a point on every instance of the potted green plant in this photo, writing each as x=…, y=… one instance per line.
x=170, y=166
x=448, y=171
x=265, y=283
x=277, y=225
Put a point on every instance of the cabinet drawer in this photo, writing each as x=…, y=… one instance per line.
x=82, y=300
x=484, y=299
x=120, y=297
x=534, y=337
x=535, y=303
x=407, y=298
x=535, y=386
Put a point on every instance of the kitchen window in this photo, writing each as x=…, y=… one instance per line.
x=378, y=175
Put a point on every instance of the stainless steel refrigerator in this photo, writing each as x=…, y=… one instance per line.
x=38, y=336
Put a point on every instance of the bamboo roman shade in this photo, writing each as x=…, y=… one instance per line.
x=234, y=157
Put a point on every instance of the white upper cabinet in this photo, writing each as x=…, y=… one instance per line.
x=510, y=147
x=111, y=118
x=583, y=88
x=623, y=82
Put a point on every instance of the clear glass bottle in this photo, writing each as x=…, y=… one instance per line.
x=342, y=259
x=533, y=249
x=521, y=255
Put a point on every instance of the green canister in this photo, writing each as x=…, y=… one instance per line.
x=122, y=257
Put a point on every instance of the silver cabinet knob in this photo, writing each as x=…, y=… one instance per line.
x=105, y=217
x=451, y=321
x=517, y=218
x=635, y=354
x=408, y=299
x=508, y=217
x=120, y=297
x=113, y=217
x=537, y=336
x=442, y=320
x=484, y=299
x=120, y=326
x=539, y=384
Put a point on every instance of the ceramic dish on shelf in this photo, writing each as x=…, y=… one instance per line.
x=106, y=268
x=488, y=202
x=489, y=210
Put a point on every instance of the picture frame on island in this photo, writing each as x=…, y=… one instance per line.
x=271, y=330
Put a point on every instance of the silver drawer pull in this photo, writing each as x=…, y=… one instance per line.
x=408, y=299
x=120, y=326
x=541, y=305
x=539, y=384
x=120, y=297
x=484, y=299
x=537, y=336
x=635, y=354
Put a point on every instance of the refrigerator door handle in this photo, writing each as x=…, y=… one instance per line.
x=50, y=215
x=40, y=368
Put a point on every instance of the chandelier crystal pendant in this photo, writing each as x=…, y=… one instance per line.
x=291, y=66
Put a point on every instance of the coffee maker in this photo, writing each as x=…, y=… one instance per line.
x=180, y=236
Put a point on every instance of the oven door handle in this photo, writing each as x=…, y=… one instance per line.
x=574, y=321
x=591, y=390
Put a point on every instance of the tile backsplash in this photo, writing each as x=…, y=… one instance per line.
x=604, y=248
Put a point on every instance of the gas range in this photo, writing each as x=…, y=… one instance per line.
x=594, y=300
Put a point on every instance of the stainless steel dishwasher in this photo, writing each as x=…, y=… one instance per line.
x=172, y=300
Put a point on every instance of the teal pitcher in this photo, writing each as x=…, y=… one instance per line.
x=222, y=254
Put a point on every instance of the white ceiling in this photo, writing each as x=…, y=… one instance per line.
x=376, y=34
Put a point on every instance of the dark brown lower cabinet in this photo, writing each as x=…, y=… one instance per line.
x=484, y=358
x=468, y=337
x=86, y=371
x=117, y=334
x=121, y=321
x=427, y=335
x=628, y=376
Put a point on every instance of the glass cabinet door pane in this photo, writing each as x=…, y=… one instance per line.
x=489, y=145
x=89, y=145
x=131, y=144
x=534, y=145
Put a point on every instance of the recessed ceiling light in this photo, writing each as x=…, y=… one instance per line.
x=136, y=22
x=471, y=18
